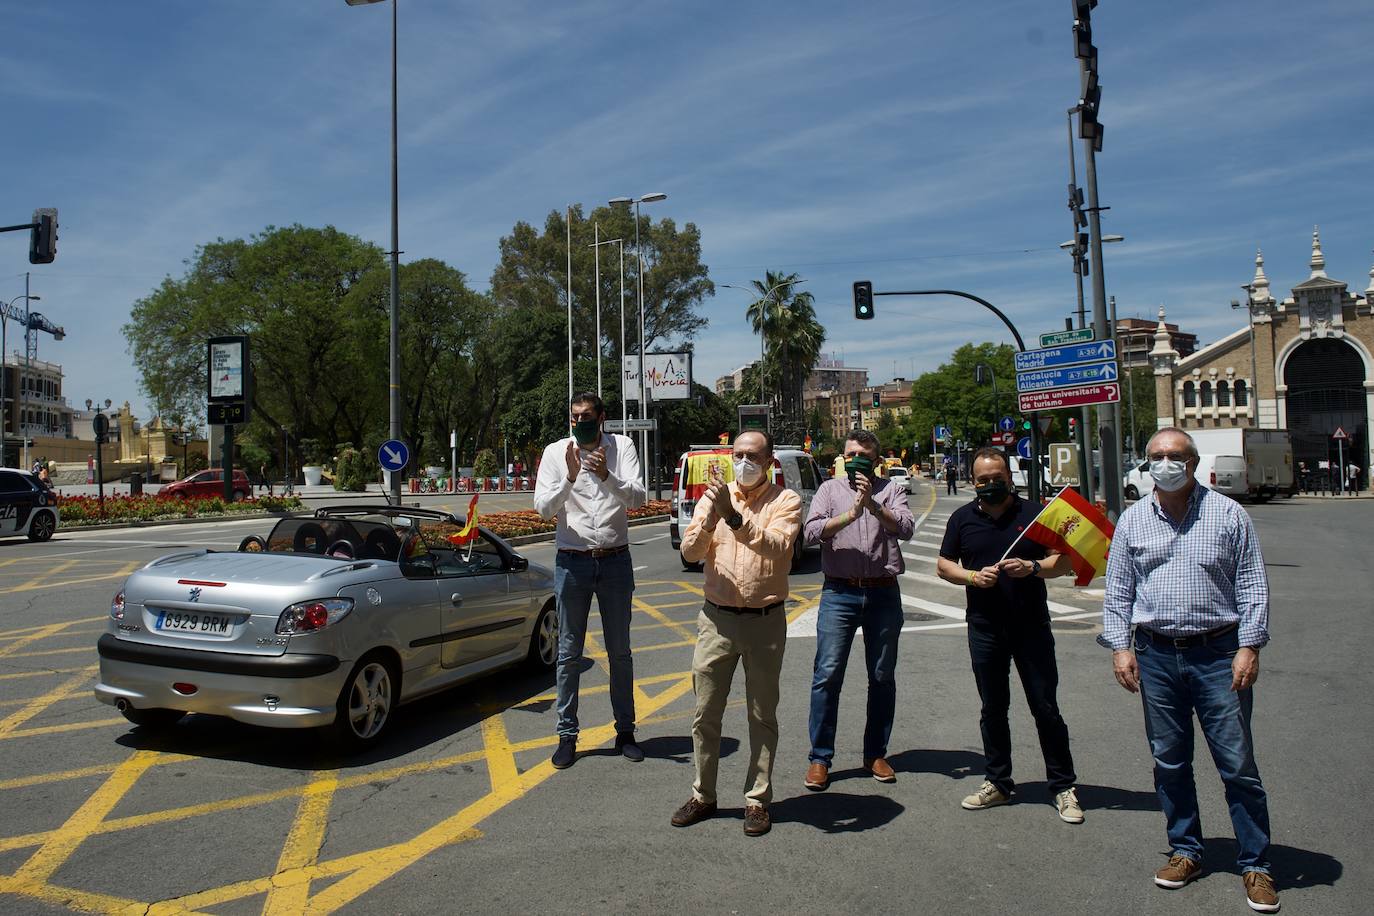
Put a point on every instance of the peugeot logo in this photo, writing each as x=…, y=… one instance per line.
x=195, y=594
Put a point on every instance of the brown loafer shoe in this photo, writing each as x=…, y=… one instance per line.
x=756, y=820
x=1178, y=872
x=817, y=777
x=693, y=811
x=880, y=769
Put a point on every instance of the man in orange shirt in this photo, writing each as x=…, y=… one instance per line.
x=743, y=533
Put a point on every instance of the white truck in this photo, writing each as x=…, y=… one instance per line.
x=1268, y=455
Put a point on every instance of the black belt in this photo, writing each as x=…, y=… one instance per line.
x=760, y=611
x=596, y=552
x=872, y=582
x=1187, y=642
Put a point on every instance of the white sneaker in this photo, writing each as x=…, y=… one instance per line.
x=987, y=796
x=1070, y=811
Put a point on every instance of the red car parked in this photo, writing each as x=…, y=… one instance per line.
x=209, y=483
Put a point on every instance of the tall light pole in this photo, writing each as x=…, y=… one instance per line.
x=568, y=226
x=6, y=313
x=394, y=425
x=596, y=246
x=763, y=316
x=639, y=282
x=1078, y=250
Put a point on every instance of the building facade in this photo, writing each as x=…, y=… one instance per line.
x=1135, y=338
x=1304, y=363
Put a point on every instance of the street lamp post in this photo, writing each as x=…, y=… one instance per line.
x=1078, y=251
x=596, y=246
x=6, y=312
x=639, y=282
x=101, y=430
x=394, y=425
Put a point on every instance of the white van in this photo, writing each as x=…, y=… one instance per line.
x=792, y=468
x=1223, y=473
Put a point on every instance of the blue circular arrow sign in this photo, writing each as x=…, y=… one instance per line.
x=393, y=455
x=1023, y=447
x=1006, y=424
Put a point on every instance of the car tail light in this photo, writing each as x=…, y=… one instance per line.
x=117, y=605
x=688, y=507
x=1214, y=478
x=309, y=616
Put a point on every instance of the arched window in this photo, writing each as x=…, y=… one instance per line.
x=1242, y=394
x=1223, y=394
x=1206, y=393
x=1189, y=395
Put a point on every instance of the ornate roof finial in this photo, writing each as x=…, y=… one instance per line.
x=1369, y=293
x=1318, y=262
x=1259, y=287
x=1163, y=355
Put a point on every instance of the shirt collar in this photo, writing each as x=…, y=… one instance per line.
x=1010, y=510
x=1193, y=499
x=754, y=495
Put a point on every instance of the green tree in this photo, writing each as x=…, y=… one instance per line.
x=793, y=338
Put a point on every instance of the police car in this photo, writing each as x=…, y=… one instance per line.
x=26, y=506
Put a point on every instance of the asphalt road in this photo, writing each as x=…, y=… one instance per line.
x=460, y=811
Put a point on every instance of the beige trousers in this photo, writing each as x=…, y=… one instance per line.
x=724, y=638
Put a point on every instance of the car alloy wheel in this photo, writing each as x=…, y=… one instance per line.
x=42, y=527
x=544, y=643
x=367, y=701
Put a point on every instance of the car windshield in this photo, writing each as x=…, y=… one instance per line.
x=368, y=537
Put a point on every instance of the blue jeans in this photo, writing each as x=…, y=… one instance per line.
x=844, y=610
x=1175, y=683
x=576, y=579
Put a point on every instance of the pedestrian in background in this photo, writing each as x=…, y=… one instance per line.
x=951, y=475
x=1009, y=621
x=1185, y=571
x=588, y=481
x=743, y=534
x=860, y=521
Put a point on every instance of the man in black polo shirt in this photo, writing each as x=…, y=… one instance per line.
x=1008, y=620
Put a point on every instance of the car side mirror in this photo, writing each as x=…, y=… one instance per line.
x=517, y=563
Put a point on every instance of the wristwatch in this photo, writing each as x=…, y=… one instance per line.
x=734, y=521
x=1035, y=567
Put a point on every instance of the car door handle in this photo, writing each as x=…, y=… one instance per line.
x=456, y=598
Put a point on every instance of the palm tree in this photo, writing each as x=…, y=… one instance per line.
x=793, y=339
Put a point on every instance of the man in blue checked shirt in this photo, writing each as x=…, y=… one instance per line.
x=1185, y=571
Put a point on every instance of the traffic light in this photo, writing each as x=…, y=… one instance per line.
x=877, y=400
x=43, y=236
x=1089, y=127
x=1025, y=426
x=1073, y=426
x=863, y=300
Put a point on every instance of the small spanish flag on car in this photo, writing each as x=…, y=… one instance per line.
x=469, y=530
x=806, y=444
x=724, y=438
x=1072, y=526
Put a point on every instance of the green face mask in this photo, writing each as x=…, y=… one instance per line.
x=859, y=464
x=587, y=432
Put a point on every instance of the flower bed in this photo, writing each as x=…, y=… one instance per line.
x=527, y=521
x=76, y=510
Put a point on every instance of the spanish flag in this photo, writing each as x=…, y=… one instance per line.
x=469, y=530
x=1070, y=525
x=724, y=438
x=806, y=444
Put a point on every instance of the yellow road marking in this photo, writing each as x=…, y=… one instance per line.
x=63, y=841
x=678, y=627
x=40, y=633
x=42, y=653
x=302, y=846
x=46, y=574
x=12, y=722
x=70, y=898
x=46, y=671
x=501, y=767
x=64, y=727
x=39, y=582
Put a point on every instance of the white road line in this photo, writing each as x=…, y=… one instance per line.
x=926, y=577
x=657, y=537
x=638, y=568
x=944, y=610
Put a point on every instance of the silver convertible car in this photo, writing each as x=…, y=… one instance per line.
x=334, y=620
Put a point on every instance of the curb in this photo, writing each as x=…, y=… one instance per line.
x=549, y=535
x=249, y=516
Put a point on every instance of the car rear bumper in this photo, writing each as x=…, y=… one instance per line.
x=303, y=695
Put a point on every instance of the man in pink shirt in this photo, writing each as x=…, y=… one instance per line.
x=743, y=534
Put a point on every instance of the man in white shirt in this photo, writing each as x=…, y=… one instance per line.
x=589, y=481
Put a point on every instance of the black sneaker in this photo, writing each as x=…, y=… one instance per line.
x=566, y=754
x=625, y=743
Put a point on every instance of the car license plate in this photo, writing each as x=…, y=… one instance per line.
x=199, y=623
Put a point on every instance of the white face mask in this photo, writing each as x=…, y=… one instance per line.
x=1169, y=475
x=747, y=472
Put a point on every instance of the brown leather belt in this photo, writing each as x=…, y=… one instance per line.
x=877, y=582
x=596, y=553
x=760, y=611
x=1187, y=642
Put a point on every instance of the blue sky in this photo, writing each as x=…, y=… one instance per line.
x=913, y=143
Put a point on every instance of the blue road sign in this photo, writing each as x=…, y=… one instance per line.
x=393, y=455
x=1006, y=424
x=1066, y=376
x=1069, y=355
x=1023, y=447
x=942, y=433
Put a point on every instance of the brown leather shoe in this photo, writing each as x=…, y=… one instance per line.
x=817, y=777
x=693, y=811
x=1179, y=871
x=756, y=820
x=880, y=769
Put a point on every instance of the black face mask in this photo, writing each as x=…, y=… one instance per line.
x=587, y=432
x=859, y=464
x=992, y=493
